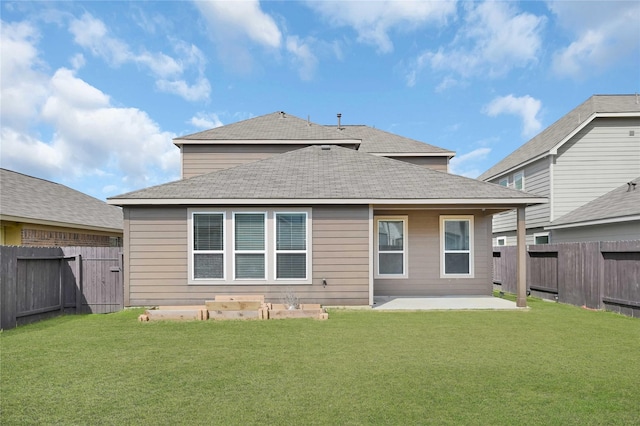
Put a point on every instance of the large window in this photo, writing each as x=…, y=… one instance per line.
x=208, y=246
x=457, y=246
x=391, y=246
x=249, y=245
x=242, y=246
x=291, y=245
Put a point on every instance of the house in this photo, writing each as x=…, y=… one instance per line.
x=336, y=214
x=585, y=154
x=37, y=212
x=615, y=216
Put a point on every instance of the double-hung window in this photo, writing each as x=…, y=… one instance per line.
x=518, y=181
x=456, y=241
x=391, y=246
x=291, y=245
x=208, y=245
x=249, y=245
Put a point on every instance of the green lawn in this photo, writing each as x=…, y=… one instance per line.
x=554, y=364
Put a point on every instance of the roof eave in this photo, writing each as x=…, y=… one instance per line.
x=413, y=154
x=605, y=221
x=502, y=202
x=179, y=142
x=35, y=221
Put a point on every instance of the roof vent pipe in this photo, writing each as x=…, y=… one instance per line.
x=282, y=114
x=339, y=117
x=632, y=186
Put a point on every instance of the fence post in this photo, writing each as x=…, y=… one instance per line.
x=61, y=284
x=8, y=274
x=78, y=283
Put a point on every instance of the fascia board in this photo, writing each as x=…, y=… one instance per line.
x=502, y=202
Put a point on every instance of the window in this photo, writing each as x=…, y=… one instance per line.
x=249, y=245
x=242, y=246
x=291, y=245
x=504, y=182
x=391, y=246
x=518, y=181
x=208, y=246
x=501, y=241
x=456, y=240
x=541, y=238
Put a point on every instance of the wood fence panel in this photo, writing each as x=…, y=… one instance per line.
x=542, y=271
x=37, y=282
x=8, y=265
x=621, y=283
x=594, y=274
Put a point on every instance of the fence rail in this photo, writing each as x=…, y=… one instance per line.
x=38, y=282
x=601, y=275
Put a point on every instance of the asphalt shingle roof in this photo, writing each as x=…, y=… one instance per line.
x=552, y=135
x=622, y=201
x=32, y=198
x=335, y=173
x=280, y=126
x=379, y=141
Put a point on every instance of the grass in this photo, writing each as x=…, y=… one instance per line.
x=553, y=364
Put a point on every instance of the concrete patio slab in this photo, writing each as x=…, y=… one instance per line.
x=391, y=303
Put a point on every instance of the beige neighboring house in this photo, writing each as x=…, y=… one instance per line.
x=39, y=213
x=335, y=214
x=589, y=152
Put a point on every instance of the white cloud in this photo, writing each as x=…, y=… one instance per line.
x=374, y=20
x=90, y=137
x=92, y=34
x=302, y=56
x=466, y=164
x=23, y=83
x=605, y=33
x=494, y=39
x=234, y=26
x=206, y=121
x=526, y=107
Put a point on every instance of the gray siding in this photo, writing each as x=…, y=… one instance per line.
x=424, y=258
x=536, y=181
x=624, y=231
x=156, y=253
x=436, y=163
x=598, y=159
x=201, y=159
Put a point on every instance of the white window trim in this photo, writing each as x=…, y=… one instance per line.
x=405, y=246
x=541, y=234
x=503, y=239
x=193, y=252
x=276, y=251
x=229, y=247
x=471, y=250
x=515, y=179
x=234, y=251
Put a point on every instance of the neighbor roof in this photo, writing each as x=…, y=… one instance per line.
x=621, y=204
x=558, y=132
x=325, y=175
x=280, y=127
x=28, y=199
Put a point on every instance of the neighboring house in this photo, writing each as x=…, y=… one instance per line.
x=582, y=156
x=39, y=213
x=614, y=216
x=277, y=204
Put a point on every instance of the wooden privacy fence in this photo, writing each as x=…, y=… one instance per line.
x=38, y=282
x=600, y=275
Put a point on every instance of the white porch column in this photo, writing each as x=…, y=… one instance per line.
x=521, y=267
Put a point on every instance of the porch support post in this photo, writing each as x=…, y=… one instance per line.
x=521, y=267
